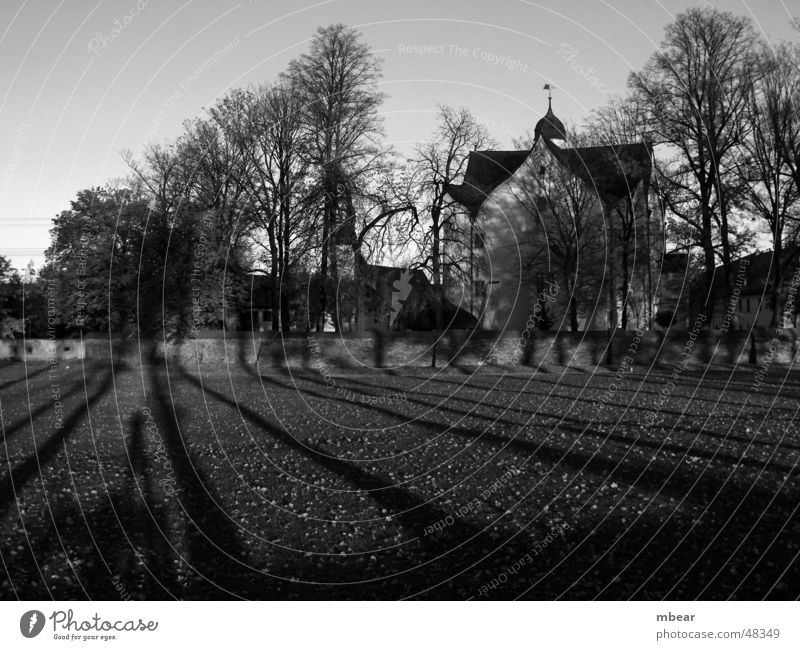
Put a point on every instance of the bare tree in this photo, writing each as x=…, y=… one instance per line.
x=198, y=218
x=215, y=171
x=265, y=123
x=695, y=92
x=790, y=58
x=440, y=162
x=620, y=122
x=161, y=172
x=384, y=209
x=336, y=82
x=772, y=193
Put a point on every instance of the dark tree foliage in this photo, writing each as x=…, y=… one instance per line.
x=120, y=266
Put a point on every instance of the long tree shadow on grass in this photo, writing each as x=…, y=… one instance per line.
x=149, y=526
x=434, y=568
x=580, y=429
x=12, y=481
x=121, y=549
x=30, y=416
x=732, y=510
x=97, y=553
x=624, y=557
x=583, y=428
x=628, y=406
x=640, y=390
x=215, y=556
x=26, y=378
x=75, y=549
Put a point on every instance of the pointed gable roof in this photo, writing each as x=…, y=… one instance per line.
x=485, y=171
x=615, y=171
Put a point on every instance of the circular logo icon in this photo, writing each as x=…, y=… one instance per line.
x=31, y=623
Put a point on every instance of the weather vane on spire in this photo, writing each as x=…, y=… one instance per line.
x=549, y=88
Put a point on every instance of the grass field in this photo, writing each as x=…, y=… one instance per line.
x=171, y=482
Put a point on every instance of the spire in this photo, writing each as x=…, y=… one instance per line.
x=550, y=126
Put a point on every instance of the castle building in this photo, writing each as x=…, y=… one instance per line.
x=559, y=236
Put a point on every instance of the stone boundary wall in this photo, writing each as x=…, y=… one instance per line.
x=41, y=349
x=415, y=349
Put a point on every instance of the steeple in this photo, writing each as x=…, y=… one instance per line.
x=550, y=126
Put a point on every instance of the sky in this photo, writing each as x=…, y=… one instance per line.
x=82, y=81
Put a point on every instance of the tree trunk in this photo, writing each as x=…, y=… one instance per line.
x=628, y=225
x=710, y=263
x=286, y=323
x=358, y=282
x=285, y=241
x=625, y=286
x=649, y=261
x=437, y=280
x=724, y=236
x=273, y=277
x=334, y=265
x=323, y=266
x=612, y=306
x=573, y=312
x=572, y=305
x=275, y=301
x=777, y=279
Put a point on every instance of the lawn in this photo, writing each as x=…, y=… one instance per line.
x=165, y=481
